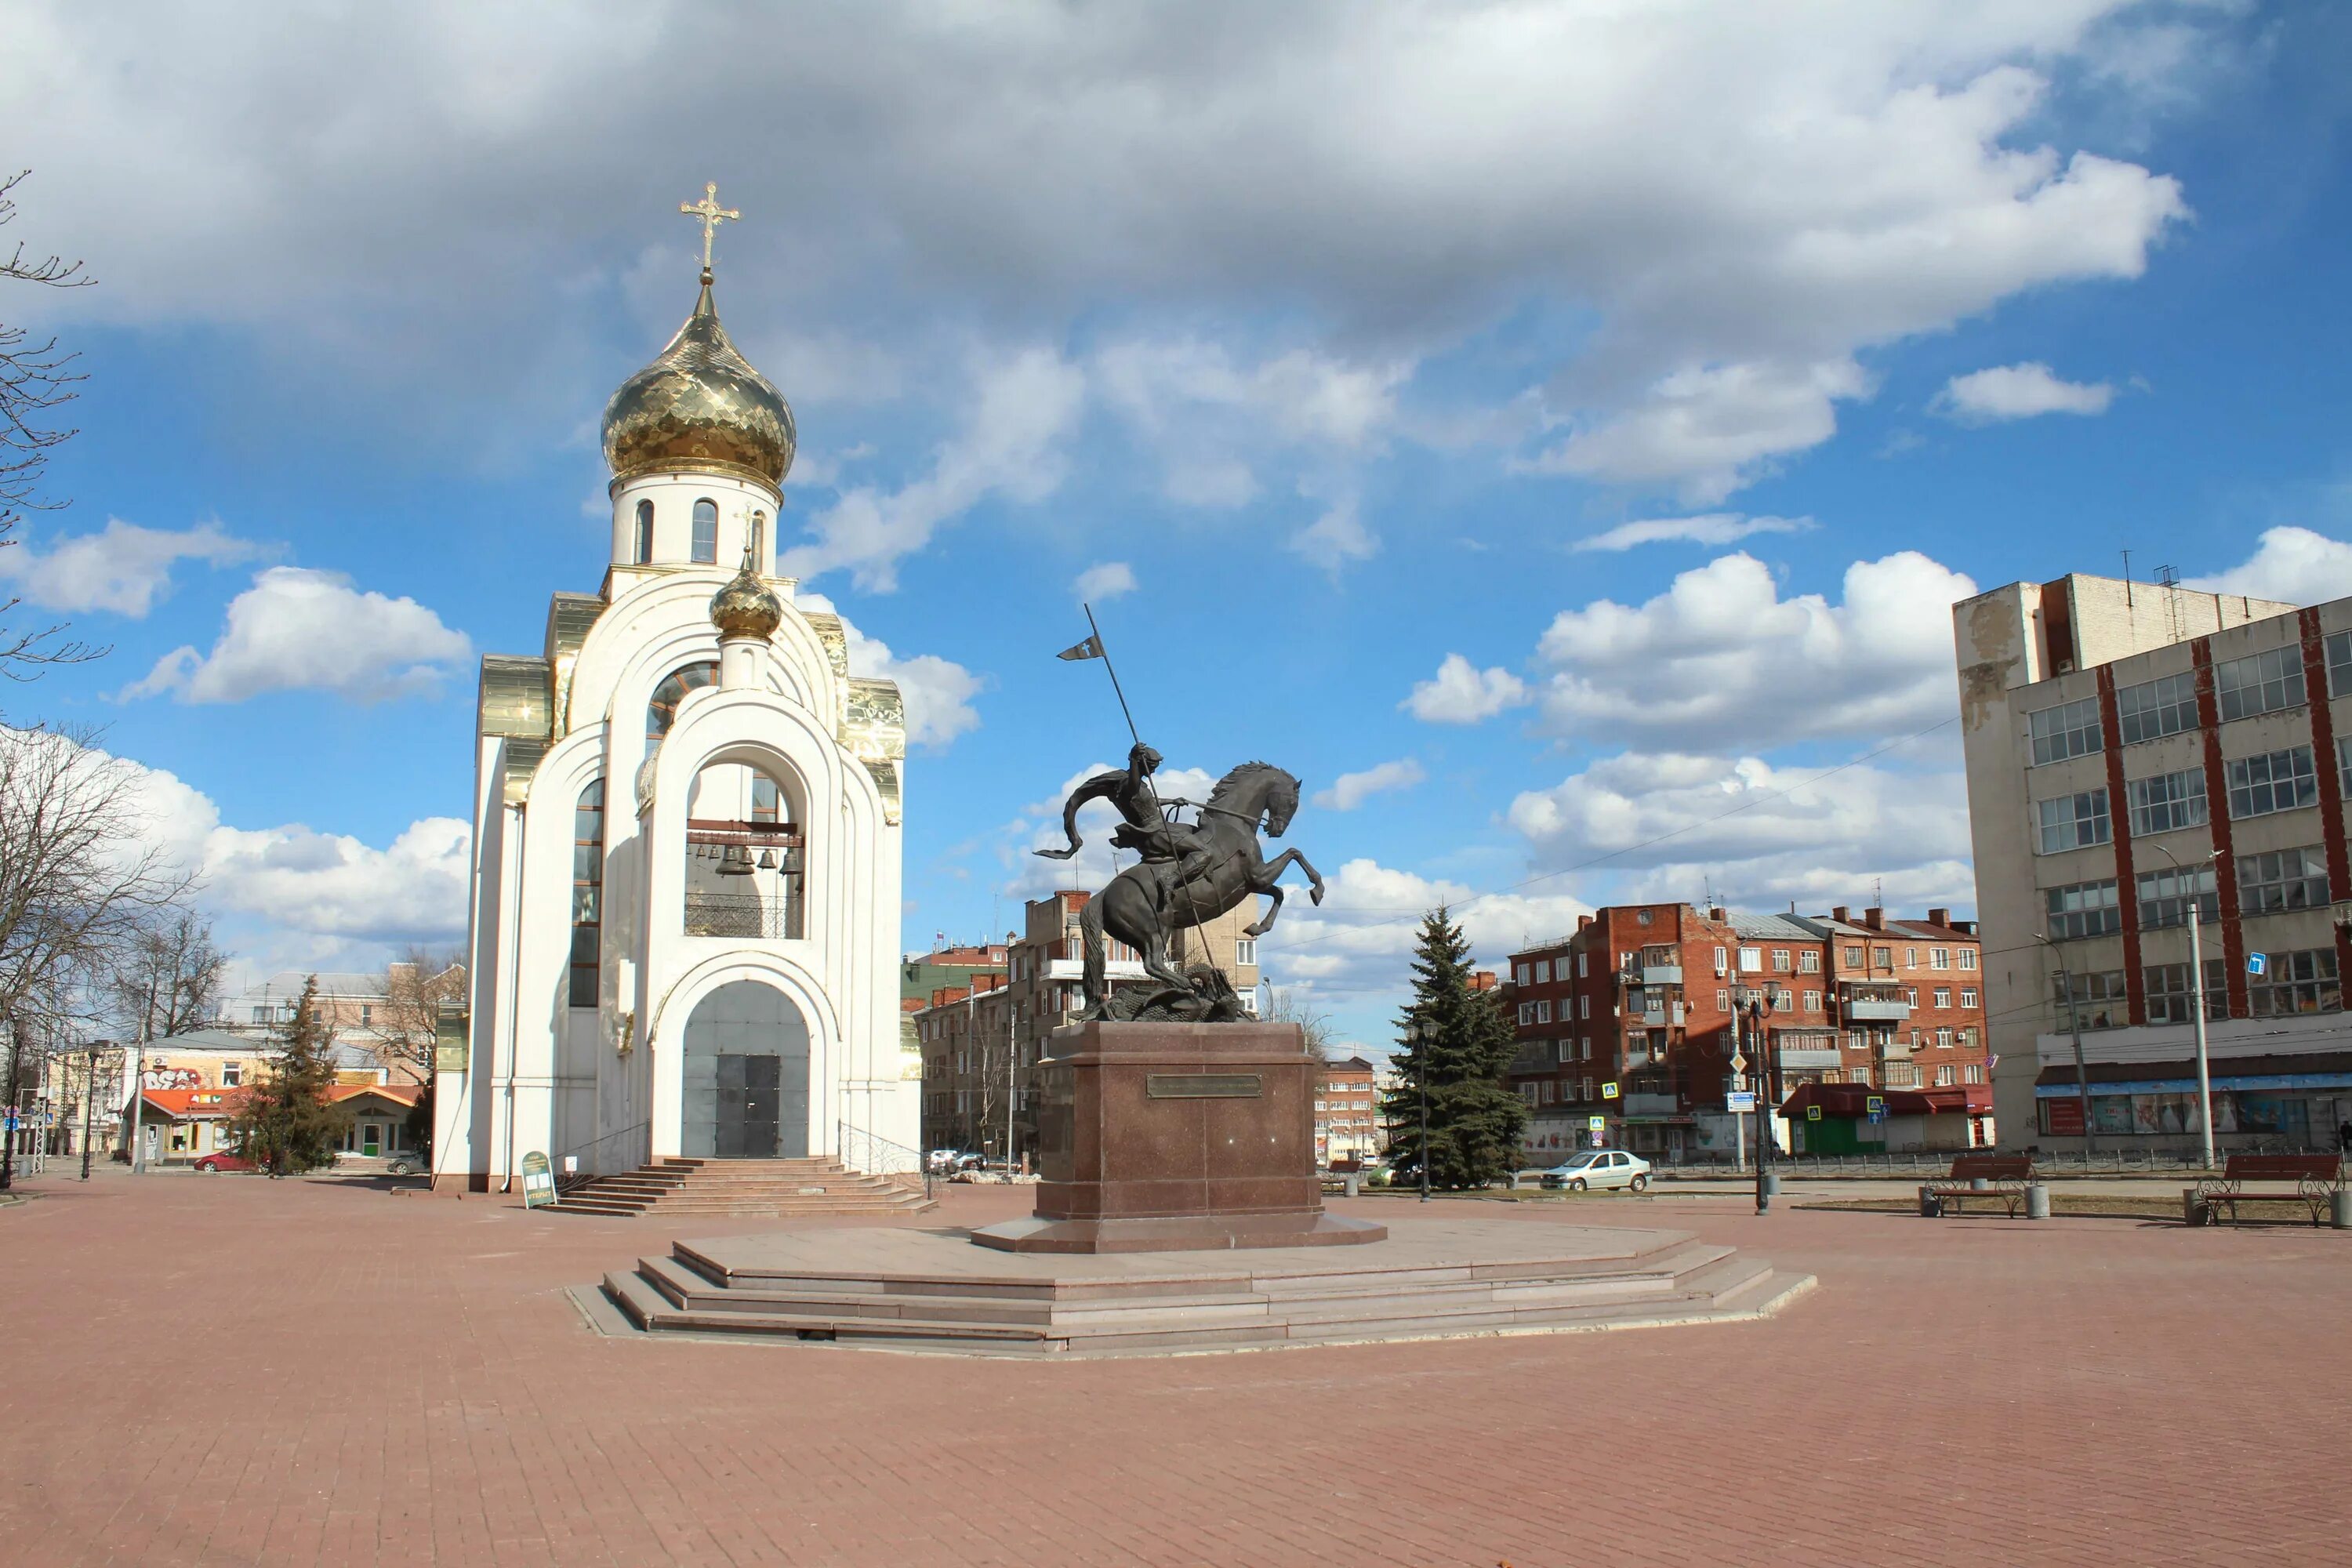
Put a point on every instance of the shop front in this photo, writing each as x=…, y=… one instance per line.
x=2155, y=1105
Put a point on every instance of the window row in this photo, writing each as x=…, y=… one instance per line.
x=2259, y=785
x=703, y=541
x=2291, y=983
x=2246, y=687
x=2269, y=881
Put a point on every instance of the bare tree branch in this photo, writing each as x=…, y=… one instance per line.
x=402, y=1028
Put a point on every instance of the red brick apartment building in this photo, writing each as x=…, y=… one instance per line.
x=1347, y=1111
x=1630, y=1018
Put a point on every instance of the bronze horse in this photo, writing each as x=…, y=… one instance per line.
x=1146, y=905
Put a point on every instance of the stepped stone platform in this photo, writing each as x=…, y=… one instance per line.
x=676, y=1187
x=932, y=1290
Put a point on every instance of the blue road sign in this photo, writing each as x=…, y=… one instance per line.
x=2257, y=962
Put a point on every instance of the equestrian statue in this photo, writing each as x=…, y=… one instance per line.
x=1187, y=875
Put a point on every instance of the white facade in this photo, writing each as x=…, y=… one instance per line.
x=600, y=939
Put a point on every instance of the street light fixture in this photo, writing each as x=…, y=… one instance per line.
x=2197, y=990
x=1417, y=1033
x=1755, y=1005
x=2074, y=1026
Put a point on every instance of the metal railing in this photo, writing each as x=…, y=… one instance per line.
x=1935, y=1161
x=742, y=915
x=870, y=1153
x=564, y=1181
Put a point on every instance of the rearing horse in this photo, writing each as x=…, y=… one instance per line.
x=1145, y=905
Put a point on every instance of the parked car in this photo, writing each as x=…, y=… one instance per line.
x=221, y=1160
x=1599, y=1168
x=409, y=1162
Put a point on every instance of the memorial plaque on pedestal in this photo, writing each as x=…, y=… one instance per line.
x=1174, y=1138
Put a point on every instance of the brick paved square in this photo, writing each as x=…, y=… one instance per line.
x=228, y=1370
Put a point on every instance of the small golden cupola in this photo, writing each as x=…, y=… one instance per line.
x=746, y=607
x=700, y=404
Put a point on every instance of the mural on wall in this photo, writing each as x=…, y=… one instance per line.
x=170, y=1077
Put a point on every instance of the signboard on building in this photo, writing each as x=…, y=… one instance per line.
x=537, y=1182
x=2065, y=1117
x=1740, y=1099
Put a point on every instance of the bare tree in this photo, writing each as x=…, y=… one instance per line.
x=167, y=979
x=36, y=380
x=1290, y=1007
x=402, y=1028
x=79, y=886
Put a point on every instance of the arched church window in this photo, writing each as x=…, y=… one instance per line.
x=758, y=536
x=705, y=531
x=587, y=891
x=662, y=711
x=645, y=531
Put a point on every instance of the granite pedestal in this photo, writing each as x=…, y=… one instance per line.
x=1177, y=1138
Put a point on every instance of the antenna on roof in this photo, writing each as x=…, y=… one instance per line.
x=2127, y=593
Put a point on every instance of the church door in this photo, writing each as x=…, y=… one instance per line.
x=747, y=1107
x=745, y=1076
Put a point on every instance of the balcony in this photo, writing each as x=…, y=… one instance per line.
x=745, y=916
x=1650, y=1105
x=1810, y=1058
x=1661, y=974
x=1876, y=1010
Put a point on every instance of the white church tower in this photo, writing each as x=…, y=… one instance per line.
x=685, y=879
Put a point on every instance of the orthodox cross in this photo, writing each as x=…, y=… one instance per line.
x=711, y=214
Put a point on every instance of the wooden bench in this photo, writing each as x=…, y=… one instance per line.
x=2311, y=1180
x=2007, y=1175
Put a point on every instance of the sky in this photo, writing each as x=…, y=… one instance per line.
x=1555, y=432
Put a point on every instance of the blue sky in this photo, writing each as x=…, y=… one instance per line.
x=1357, y=339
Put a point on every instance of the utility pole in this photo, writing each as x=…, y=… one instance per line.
x=8, y=1119
x=89, y=1103
x=1011, y=1077
x=2075, y=1024
x=138, y=1081
x=2196, y=991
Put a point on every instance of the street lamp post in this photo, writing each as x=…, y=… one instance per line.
x=89, y=1101
x=2074, y=1026
x=1756, y=1006
x=1417, y=1032
x=2197, y=991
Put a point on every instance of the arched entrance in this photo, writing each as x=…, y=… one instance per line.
x=746, y=1076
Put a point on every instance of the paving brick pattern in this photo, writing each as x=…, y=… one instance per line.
x=229, y=1371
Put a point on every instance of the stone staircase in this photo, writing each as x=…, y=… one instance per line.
x=681, y=1188
x=932, y=1290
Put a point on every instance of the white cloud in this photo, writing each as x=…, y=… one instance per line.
x=1349, y=791
x=297, y=629
x=1721, y=659
x=122, y=568
x=1104, y=580
x=1711, y=429
x=1354, y=950
x=1740, y=201
x=937, y=691
x=2293, y=566
x=1335, y=539
x=1711, y=528
x=1462, y=694
x=1754, y=831
x=1023, y=408
x=2017, y=392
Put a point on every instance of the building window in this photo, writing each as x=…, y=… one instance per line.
x=759, y=539
x=2259, y=683
x=662, y=711
x=1723, y=1001
x=1780, y=962
x=587, y=891
x=1751, y=961
x=2098, y=999
x=1543, y=1012
x=1910, y=958
x=1812, y=1001
x=2163, y=896
x=1967, y=997
x=1519, y=973
x=2294, y=982
x=1580, y=967
x=2344, y=766
x=2168, y=801
x=2273, y=781
x=2081, y=909
x=1939, y=958
x=2154, y=708
x=1968, y=958
x=2069, y=730
x=1883, y=958
x=645, y=531
x=1853, y=958
x=1901, y=1075
x=1947, y=1074
x=1527, y=1013
x=2339, y=663
x=2168, y=996
x=1943, y=996
x=706, y=533
x=2282, y=879
x=1722, y=963
x=1809, y=962
x=232, y=1074
x=1972, y=1073
x=1245, y=949
x=2071, y=821
x=1584, y=1006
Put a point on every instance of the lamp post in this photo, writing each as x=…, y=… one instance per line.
x=89, y=1101
x=2074, y=1026
x=1755, y=1005
x=2196, y=991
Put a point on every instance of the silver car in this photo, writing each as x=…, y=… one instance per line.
x=1596, y=1168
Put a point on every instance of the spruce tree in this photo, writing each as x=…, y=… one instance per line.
x=286, y=1123
x=1464, y=1047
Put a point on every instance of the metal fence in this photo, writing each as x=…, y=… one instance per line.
x=630, y=1147
x=870, y=1153
x=742, y=915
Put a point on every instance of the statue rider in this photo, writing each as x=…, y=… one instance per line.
x=1145, y=829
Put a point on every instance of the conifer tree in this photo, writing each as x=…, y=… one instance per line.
x=1464, y=1047
x=286, y=1123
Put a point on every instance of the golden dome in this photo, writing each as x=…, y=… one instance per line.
x=699, y=405
x=746, y=607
